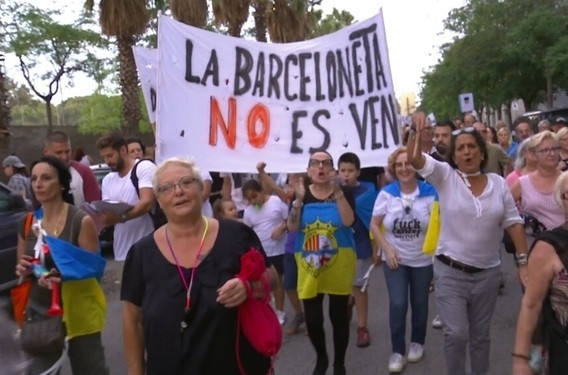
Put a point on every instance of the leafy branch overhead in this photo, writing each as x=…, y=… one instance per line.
x=502, y=50
x=49, y=50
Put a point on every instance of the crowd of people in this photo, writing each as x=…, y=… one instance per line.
x=435, y=217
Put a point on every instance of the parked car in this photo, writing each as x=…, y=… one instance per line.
x=12, y=209
x=100, y=171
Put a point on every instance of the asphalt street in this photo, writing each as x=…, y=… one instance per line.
x=298, y=357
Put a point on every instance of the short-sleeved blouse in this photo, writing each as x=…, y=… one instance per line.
x=207, y=346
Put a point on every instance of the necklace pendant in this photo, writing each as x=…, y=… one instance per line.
x=183, y=325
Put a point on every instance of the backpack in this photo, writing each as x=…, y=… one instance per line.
x=156, y=213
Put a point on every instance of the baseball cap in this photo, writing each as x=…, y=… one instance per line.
x=560, y=120
x=14, y=161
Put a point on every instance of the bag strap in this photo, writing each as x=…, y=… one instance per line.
x=134, y=176
x=28, y=224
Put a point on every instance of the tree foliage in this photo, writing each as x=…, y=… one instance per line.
x=503, y=50
x=48, y=50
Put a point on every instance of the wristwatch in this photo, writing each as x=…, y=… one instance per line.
x=123, y=218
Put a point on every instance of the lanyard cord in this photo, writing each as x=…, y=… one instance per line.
x=185, y=284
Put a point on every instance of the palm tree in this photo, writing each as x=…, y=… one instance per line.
x=191, y=12
x=232, y=13
x=261, y=8
x=126, y=20
x=288, y=21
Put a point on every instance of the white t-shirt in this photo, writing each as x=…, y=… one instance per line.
x=77, y=188
x=121, y=189
x=471, y=227
x=405, y=229
x=265, y=220
x=206, y=209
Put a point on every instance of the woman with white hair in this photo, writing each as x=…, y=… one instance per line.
x=179, y=286
x=524, y=164
x=535, y=191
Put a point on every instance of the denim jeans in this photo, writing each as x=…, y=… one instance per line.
x=400, y=282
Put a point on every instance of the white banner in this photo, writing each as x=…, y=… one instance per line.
x=230, y=103
x=147, y=65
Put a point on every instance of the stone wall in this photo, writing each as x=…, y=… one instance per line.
x=26, y=142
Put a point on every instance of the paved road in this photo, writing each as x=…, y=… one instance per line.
x=297, y=355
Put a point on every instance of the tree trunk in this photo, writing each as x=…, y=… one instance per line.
x=260, y=19
x=549, y=93
x=4, y=106
x=129, y=85
x=49, y=115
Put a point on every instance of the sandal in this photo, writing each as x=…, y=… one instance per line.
x=363, y=337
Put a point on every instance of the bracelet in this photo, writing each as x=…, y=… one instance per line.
x=521, y=259
x=522, y=356
x=336, y=198
x=294, y=205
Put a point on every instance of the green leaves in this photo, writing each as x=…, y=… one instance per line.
x=502, y=50
x=49, y=50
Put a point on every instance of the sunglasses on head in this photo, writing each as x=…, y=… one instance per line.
x=467, y=130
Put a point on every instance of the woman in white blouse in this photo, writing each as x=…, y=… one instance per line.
x=475, y=207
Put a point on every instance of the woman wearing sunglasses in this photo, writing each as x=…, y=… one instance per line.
x=475, y=208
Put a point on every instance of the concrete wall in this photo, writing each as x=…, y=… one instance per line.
x=26, y=142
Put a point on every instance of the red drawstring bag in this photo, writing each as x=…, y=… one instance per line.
x=256, y=317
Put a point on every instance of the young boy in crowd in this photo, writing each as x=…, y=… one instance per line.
x=225, y=209
x=349, y=167
x=266, y=215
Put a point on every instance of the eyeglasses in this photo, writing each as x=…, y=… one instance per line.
x=402, y=165
x=327, y=163
x=184, y=183
x=468, y=130
x=548, y=151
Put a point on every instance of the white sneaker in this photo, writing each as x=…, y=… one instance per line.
x=396, y=362
x=436, y=322
x=281, y=316
x=415, y=352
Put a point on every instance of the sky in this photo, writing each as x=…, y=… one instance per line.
x=414, y=30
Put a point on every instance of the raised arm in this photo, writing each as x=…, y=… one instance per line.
x=268, y=184
x=293, y=220
x=414, y=152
